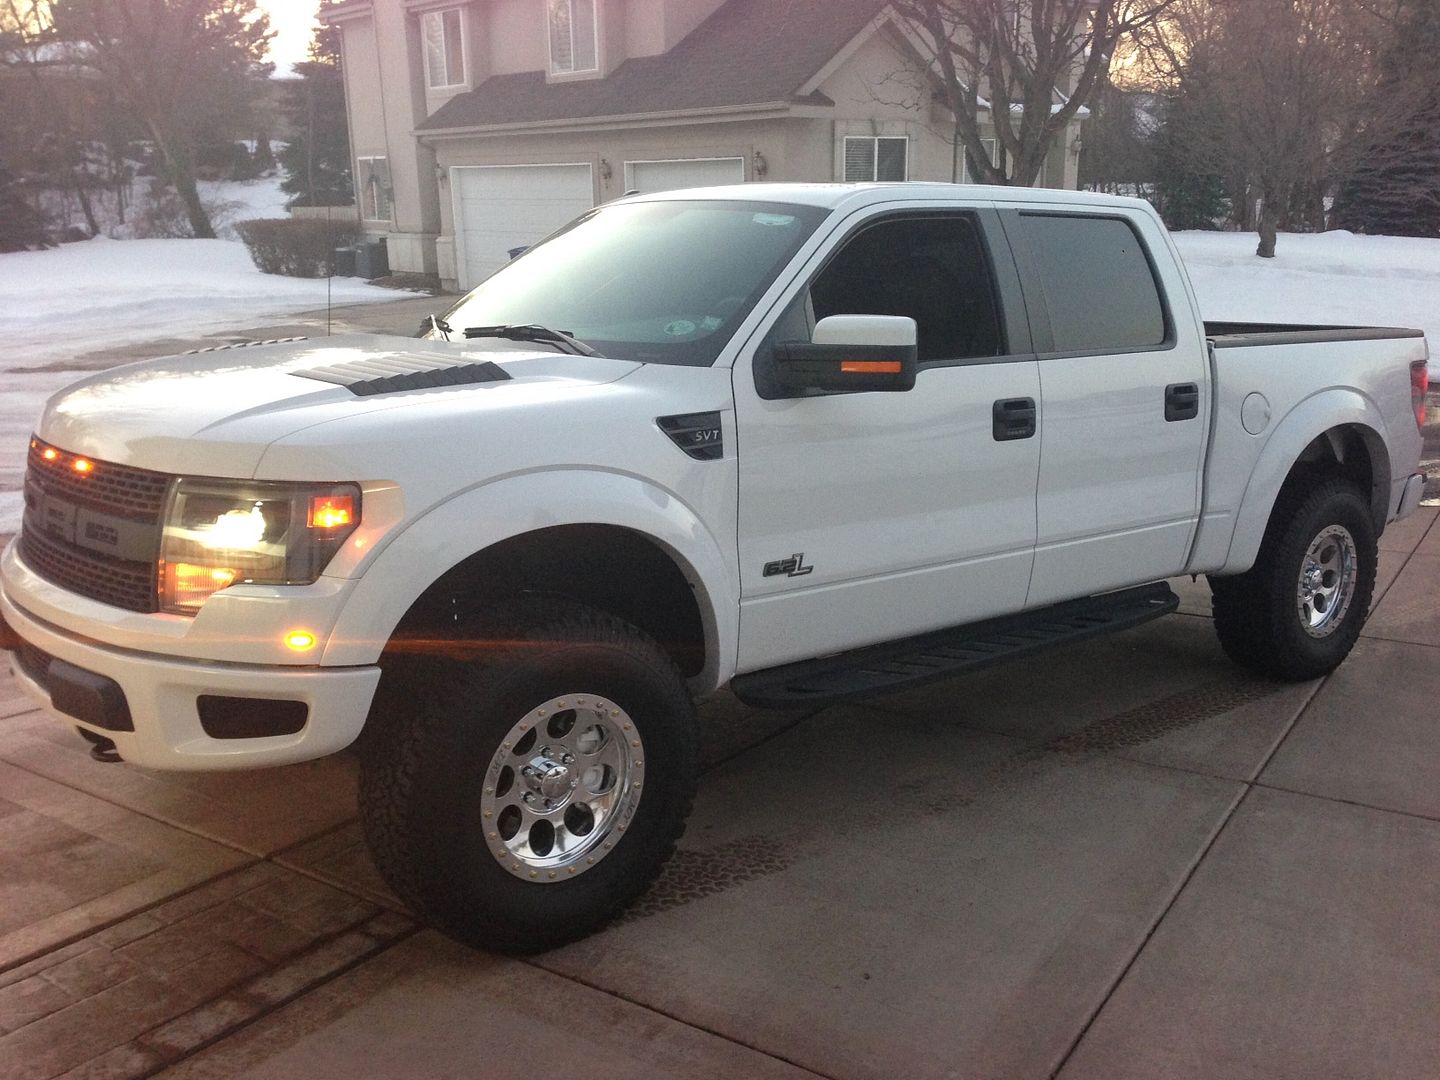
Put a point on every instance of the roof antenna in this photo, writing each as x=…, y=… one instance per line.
x=330, y=277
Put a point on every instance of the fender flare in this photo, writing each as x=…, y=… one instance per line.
x=1312, y=418
x=449, y=533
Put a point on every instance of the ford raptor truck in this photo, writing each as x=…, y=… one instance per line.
x=807, y=442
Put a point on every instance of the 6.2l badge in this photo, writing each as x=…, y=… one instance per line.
x=794, y=566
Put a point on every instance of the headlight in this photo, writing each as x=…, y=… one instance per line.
x=220, y=533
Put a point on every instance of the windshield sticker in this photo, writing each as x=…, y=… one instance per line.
x=710, y=322
x=680, y=328
x=773, y=219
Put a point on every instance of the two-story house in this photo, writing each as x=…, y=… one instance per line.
x=479, y=126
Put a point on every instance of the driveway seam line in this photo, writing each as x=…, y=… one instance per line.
x=1247, y=786
x=687, y=1023
x=1433, y=819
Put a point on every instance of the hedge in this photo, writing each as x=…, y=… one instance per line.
x=296, y=248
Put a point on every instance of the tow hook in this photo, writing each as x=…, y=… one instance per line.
x=101, y=748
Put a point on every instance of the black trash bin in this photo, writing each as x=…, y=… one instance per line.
x=344, y=258
x=372, y=260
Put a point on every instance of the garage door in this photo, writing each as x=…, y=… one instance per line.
x=499, y=207
x=650, y=176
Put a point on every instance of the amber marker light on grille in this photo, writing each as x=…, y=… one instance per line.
x=331, y=511
x=870, y=367
x=81, y=465
x=300, y=640
x=50, y=453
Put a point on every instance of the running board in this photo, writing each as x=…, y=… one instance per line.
x=944, y=653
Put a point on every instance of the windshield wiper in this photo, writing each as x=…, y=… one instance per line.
x=566, y=343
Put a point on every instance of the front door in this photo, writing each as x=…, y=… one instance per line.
x=872, y=516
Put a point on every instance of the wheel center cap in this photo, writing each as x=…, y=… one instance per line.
x=1314, y=578
x=548, y=778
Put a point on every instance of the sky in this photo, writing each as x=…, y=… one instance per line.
x=292, y=21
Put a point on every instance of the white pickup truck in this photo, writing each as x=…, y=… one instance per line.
x=810, y=442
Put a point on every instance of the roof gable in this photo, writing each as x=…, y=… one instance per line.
x=749, y=52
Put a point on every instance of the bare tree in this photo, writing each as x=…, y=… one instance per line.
x=1289, y=101
x=1030, y=65
x=182, y=68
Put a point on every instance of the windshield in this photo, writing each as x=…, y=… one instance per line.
x=658, y=282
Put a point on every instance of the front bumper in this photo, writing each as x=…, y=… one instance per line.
x=161, y=695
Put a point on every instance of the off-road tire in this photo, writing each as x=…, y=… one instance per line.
x=1256, y=616
x=436, y=725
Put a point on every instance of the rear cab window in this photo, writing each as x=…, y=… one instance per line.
x=1098, y=281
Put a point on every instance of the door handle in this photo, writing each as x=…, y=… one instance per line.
x=1182, y=402
x=1014, y=418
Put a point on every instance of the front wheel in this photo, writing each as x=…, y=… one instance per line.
x=1298, y=612
x=522, y=799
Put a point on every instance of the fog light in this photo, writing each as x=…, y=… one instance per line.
x=300, y=640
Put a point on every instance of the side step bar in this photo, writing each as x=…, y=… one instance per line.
x=944, y=653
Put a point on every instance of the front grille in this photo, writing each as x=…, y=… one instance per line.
x=113, y=489
x=94, y=532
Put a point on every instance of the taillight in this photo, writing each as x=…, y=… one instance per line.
x=1419, y=387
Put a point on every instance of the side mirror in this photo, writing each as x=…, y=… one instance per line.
x=850, y=354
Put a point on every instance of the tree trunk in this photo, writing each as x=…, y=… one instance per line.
x=182, y=175
x=1269, y=222
x=190, y=195
x=83, y=197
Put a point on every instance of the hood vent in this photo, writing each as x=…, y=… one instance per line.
x=393, y=374
x=243, y=345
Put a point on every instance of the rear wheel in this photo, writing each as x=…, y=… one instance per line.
x=1298, y=612
x=522, y=799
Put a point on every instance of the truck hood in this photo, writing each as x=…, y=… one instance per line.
x=214, y=413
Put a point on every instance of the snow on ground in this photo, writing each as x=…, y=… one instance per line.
x=79, y=298
x=242, y=200
x=1334, y=277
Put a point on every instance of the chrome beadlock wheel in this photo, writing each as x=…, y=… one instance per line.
x=1327, y=581
x=562, y=788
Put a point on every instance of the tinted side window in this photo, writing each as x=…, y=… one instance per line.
x=933, y=269
x=1098, y=284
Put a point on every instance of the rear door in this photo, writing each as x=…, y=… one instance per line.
x=868, y=517
x=1125, y=401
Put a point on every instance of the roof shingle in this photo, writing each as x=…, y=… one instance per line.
x=750, y=52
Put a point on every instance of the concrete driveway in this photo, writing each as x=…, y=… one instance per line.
x=1125, y=859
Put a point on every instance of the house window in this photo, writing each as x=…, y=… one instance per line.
x=876, y=158
x=373, y=185
x=574, y=42
x=444, y=48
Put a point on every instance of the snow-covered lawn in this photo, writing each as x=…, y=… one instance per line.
x=78, y=298
x=1335, y=277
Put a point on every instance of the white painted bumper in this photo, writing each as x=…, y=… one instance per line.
x=162, y=691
